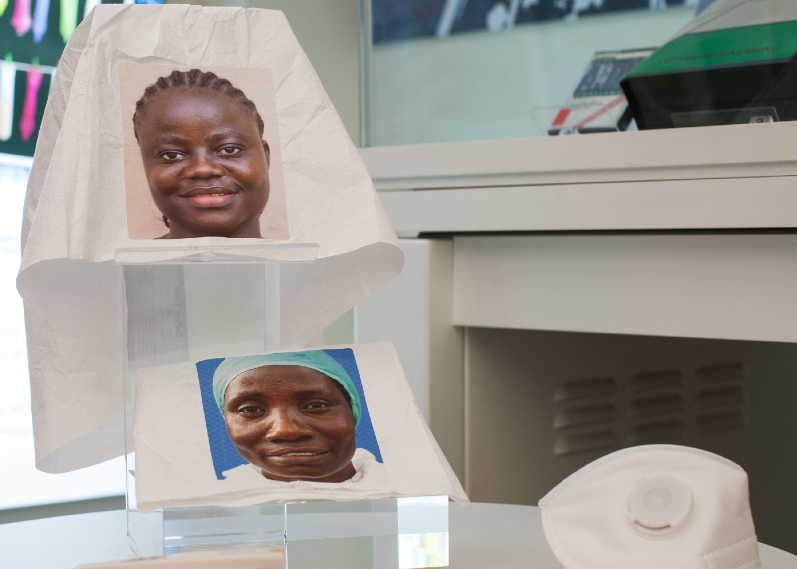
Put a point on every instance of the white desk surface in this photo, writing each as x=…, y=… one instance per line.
x=482, y=536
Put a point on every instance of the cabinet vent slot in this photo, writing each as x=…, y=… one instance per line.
x=581, y=388
x=731, y=396
x=721, y=373
x=665, y=405
x=726, y=421
x=656, y=431
x=721, y=404
x=585, y=415
x=657, y=405
x=583, y=442
x=656, y=380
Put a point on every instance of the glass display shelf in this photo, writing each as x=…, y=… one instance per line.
x=189, y=254
x=393, y=533
x=453, y=71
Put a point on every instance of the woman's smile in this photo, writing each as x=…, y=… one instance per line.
x=210, y=197
x=297, y=458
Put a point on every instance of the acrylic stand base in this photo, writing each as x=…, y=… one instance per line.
x=394, y=533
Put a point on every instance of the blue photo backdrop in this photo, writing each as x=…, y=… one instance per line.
x=226, y=456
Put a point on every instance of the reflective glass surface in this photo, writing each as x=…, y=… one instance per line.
x=457, y=70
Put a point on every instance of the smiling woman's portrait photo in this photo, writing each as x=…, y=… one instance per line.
x=297, y=416
x=202, y=153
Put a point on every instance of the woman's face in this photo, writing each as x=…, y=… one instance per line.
x=206, y=166
x=292, y=422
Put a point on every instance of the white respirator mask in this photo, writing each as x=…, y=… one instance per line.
x=653, y=507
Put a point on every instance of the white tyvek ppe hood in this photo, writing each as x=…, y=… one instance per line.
x=75, y=216
x=607, y=515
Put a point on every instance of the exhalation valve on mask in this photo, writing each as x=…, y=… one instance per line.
x=659, y=504
x=653, y=506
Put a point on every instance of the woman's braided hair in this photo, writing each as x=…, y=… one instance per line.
x=194, y=79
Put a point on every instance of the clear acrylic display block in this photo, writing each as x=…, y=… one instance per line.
x=381, y=534
x=394, y=533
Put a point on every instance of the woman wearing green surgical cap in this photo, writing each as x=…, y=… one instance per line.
x=292, y=416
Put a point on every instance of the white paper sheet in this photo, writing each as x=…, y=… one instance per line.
x=174, y=463
x=75, y=218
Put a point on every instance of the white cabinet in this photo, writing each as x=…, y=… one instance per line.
x=611, y=290
x=730, y=286
x=414, y=312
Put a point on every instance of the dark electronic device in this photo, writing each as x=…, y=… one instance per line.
x=727, y=76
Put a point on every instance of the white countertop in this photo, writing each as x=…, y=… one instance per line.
x=482, y=536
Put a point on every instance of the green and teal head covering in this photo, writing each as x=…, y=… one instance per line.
x=318, y=360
